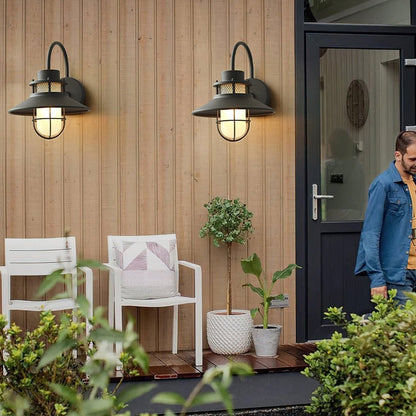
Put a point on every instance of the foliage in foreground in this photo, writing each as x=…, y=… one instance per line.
x=42, y=375
x=371, y=371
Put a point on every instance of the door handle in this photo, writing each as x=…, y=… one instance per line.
x=315, y=197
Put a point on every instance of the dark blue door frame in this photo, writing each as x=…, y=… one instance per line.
x=329, y=35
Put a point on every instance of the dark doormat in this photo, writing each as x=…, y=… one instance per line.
x=277, y=411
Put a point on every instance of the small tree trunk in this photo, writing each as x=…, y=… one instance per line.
x=229, y=298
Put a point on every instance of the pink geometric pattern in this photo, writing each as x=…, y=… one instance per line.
x=139, y=262
x=160, y=252
x=151, y=255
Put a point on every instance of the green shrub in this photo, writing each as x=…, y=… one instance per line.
x=370, y=371
x=42, y=376
x=22, y=353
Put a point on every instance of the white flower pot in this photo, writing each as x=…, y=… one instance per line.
x=229, y=334
x=266, y=341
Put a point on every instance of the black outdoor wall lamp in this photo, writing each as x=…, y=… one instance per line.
x=237, y=100
x=52, y=99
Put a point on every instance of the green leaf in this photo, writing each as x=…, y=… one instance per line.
x=277, y=297
x=92, y=264
x=96, y=407
x=65, y=392
x=130, y=393
x=99, y=380
x=83, y=304
x=206, y=398
x=242, y=369
x=255, y=289
x=56, y=350
x=254, y=312
x=106, y=334
x=169, y=398
x=252, y=265
x=226, y=397
x=283, y=274
x=49, y=282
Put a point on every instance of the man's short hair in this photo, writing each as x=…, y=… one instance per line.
x=404, y=140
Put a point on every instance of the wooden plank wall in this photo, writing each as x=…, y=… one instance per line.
x=139, y=162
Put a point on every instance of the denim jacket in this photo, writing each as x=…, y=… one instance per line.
x=387, y=231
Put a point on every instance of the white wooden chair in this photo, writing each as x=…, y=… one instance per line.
x=40, y=257
x=144, y=272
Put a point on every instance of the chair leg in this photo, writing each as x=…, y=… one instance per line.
x=5, y=300
x=198, y=334
x=175, y=330
x=118, y=325
x=111, y=299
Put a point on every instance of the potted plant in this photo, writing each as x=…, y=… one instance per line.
x=265, y=336
x=229, y=221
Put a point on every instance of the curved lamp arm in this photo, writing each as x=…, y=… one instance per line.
x=64, y=53
x=241, y=43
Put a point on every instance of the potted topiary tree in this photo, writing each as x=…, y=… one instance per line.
x=265, y=336
x=229, y=221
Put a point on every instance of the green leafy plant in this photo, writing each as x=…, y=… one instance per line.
x=22, y=353
x=371, y=370
x=229, y=221
x=42, y=375
x=219, y=379
x=252, y=265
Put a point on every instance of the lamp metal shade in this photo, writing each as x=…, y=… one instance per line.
x=50, y=96
x=227, y=98
x=50, y=99
x=235, y=101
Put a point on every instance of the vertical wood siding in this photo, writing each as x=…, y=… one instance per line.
x=139, y=162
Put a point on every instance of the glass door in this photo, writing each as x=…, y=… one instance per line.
x=359, y=95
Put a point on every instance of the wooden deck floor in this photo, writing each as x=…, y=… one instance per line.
x=277, y=381
x=165, y=365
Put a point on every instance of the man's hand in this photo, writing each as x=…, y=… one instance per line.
x=381, y=290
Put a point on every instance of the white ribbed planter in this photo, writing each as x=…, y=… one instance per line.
x=229, y=334
x=266, y=341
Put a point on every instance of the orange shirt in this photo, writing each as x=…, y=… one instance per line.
x=411, y=262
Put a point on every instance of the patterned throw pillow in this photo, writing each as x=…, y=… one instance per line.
x=148, y=268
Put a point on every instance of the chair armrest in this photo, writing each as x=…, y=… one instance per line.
x=112, y=267
x=197, y=275
x=87, y=271
x=189, y=264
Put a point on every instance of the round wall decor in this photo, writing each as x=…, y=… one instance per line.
x=357, y=102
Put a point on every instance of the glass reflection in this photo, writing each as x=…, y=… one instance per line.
x=365, y=12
